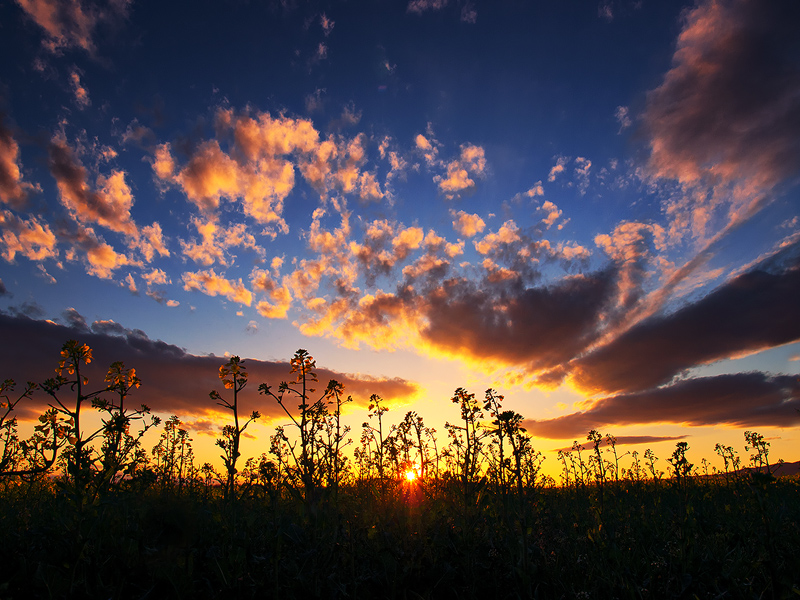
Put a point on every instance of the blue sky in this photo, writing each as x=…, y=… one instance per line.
x=592, y=206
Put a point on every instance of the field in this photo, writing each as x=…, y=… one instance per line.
x=96, y=515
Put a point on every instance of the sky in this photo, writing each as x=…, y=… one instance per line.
x=591, y=207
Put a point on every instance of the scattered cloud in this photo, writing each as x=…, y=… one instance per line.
x=536, y=190
x=558, y=168
x=212, y=284
x=428, y=148
x=623, y=118
x=582, y=167
x=326, y=24
x=471, y=163
x=553, y=213
x=79, y=92
x=467, y=225
x=420, y=6
x=108, y=204
x=30, y=238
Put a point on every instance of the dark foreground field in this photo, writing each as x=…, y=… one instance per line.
x=95, y=515
x=734, y=538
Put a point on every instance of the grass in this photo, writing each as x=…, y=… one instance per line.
x=704, y=540
x=93, y=515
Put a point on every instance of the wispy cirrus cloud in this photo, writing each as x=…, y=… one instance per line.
x=728, y=109
x=69, y=24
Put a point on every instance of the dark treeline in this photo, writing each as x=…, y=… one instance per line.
x=402, y=515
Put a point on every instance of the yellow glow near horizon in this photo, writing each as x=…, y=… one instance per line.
x=411, y=475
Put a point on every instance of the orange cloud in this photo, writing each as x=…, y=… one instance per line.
x=280, y=294
x=536, y=190
x=507, y=234
x=130, y=284
x=209, y=175
x=553, y=213
x=427, y=148
x=150, y=242
x=109, y=205
x=216, y=241
x=631, y=241
x=471, y=163
x=558, y=168
x=13, y=190
x=104, y=260
x=468, y=225
x=406, y=240
x=633, y=247
x=81, y=95
x=31, y=238
x=212, y=284
x=163, y=162
x=257, y=168
x=156, y=277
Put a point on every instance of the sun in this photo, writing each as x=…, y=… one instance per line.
x=411, y=475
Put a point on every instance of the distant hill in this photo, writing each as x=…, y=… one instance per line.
x=779, y=470
x=786, y=469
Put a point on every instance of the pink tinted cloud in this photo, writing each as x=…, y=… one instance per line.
x=729, y=108
x=79, y=92
x=72, y=23
x=420, y=6
x=634, y=247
